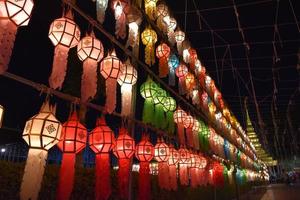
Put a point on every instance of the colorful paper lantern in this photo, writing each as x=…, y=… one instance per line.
x=13, y=14
x=193, y=58
x=179, y=118
x=41, y=132
x=181, y=72
x=184, y=161
x=149, y=38
x=161, y=155
x=188, y=124
x=102, y=141
x=169, y=106
x=173, y=63
x=73, y=140
x=119, y=7
x=171, y=28
x=144, y=152
x=110, y=68
x=101, y=6
x=179, y=38
x=150, y=8
x=163, y=53
x=89, y=50
x=172, y=162
x=194, y=170
x=162, y=11
x=134, y=19
x=190, y=83
x=159, y=114
x=124, y=150
x=64, y=34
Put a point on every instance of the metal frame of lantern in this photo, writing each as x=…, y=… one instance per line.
x=161, y=155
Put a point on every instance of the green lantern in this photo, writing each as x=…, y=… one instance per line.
x=159, y=114
x=169, y=106
x=148, y=91
x=203, y=136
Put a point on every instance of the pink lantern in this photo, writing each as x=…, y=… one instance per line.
x=179, y=118
x=181, y=72
x=172, y=162
x=161, y=155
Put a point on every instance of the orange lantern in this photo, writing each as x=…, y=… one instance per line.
x=161, y=155
x=181, y=72
x=150, y=8
x=163, y=53
x=179, y=118
x=149, y=38
x=188, y=124
x=184, y=161
x=193, y=58
x=124, y=150
x=190, y=83
x=172, y=162
x=12, y=15
x=102, y=141
x=110, y=68
x=64, y=34
x=179, y=38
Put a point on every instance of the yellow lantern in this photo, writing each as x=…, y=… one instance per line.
x=150, y=8
x=149, y=38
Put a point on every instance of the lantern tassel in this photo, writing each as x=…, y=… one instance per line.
x=120, y=25
x=59, y=67
x=179, y=48
x=8, y=32
x=163, y=175
x=194, y=178
x=132, y=34
x=163, y=67
x=180, y=130
x=159, y=116
x=89, y=80
x=149, y=55
x=101, y=6
x=182, y=85
x=126, y=92
x=183, y=174
x=189, y=136
x=144, y=181
x=196, y=140
x=172, y=77
x=111, y=93
x=148, y=111
x=171, y=37
x=33, y=174
x=123, y=177
x=173, y=177
x=150, y=11
x=103, y=184
x=66, y=177
x=170, y=122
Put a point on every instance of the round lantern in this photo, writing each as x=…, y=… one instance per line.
x=148, y=91
x=41, y=132
x=127, y=79
x=12, y=15
x=150, y=8
x=188, y=124
x=190, y=82
x=171, y=28
x=179, y=38
x=172, y=162
x=124, y=150
x=161, y=155
x=90, y=51
x=64, y=34
x=184, y=161
x=173, y=63
x=179, y=117
x=110, y=68
x=149, y=38
x=162, y=12
x=162, y=53
x=134, y=19
x=159, y=115
x=144, y=152
x=181, y=72
x=169, y=106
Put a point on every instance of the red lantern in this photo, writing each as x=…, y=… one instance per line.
x=196, y=128
x=163, y=53
x=110, y=68
x=124, y=150
x=179, y=38
x=72, y=141
x=217, y=175
x=190, y=83
x=179, y=118
x=194, y=167
x=184, y=162
x=144, y=153
x=193, y=58
x=181, y=72
x=172, y=162
x=202, y=172
x=188, y=125
x=161, y=155
x=102, y=141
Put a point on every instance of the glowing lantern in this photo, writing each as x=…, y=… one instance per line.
x=181, y=72
x=110, y=68
x=73, y=140
x=120, y=17
x=162, y=12
x=202, y=173
x=124, y=150
x=190, y=82
x=1, y=115
x=144, y=153
x=218, y=99
x=185, y=52
x=134, y=19
x=12, y=15
x=169, y=106
x=161, y=155
x=184, y=162
x=90, y=51
x=127, y=79
x=208, y=82
x=172, y=162
x=41, y=132
x=193, y=58
x=217, y=174
x=196, y=97
x=188, y=124
x=163, y=53
x=179, y=118
x=149, y=38
x=64, y=34
x=204, y=98
x=101, y=6
x=150, y=8
x=102, y=141
x=194, y=169
x=171, y=28
x=173, y=63
x=201, y=75
x=179, y=38
x=196, y=128
x=148, y=91
x=159, y=115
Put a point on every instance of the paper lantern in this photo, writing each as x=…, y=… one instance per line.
x=193, y=58
x=181, y=72
x=173, y=63
x=179, y=118
x=184, y=161
x=188, y=124
x=89, y=50
x=169, y=106
x=217, y=175
x=148, y=91
x=73, y=140
x=190, y=83
x=110, y=68
x=12, y=15
x=101, y=6
x=194, y=169
x=127, y=78
x=162, y=11
x=161, y=155
x=144, y=153
x=196, y=97
x=150, y=8
x=159, y=114
x=202, y=172
x=64, y=34
x=149, y=38
x=179, y=38
x=41, y=132
x=134, y=19
x=163, y=53
x=172, y=162
x=185, y=51
x=1, y=115
x=171, y=28
x=196, y=130
x=102, y=141
x=124, y=150
x=119, y=7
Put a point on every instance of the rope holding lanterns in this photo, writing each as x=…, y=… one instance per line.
x=64, y=34
x=149, y=38
x=13, y=14
x=163, y=53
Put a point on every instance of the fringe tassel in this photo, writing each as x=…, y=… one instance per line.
x=172, y=77
x=148, y=111
x=103, y=184
x=126, y=93
x=144, y=182
x=183, y=174
x=121, y=26
x=159, y=116
x=89, y=80
x=123, y=177
x=180, y=130
x=163, y=67
x=149, y=55
x=173, y=177
x=163, y=175
x=111, y=93
x=101, y=6
x=189, y=136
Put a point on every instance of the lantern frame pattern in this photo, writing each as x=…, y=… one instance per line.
x=90, y=47
x=110, y=66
